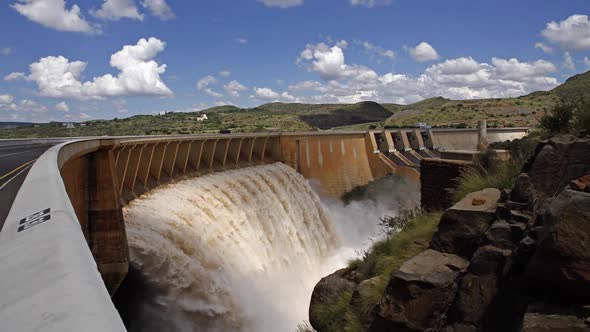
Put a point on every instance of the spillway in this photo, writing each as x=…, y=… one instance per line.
x=234, y=251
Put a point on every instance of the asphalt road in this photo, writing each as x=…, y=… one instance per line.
x=15, y=162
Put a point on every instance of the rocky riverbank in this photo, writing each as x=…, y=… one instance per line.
x=516, y=260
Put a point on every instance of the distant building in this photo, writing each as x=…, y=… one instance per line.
x=162, y=113
x=423, y=125
x=202, y=117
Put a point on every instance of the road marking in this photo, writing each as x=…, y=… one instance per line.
x=21, y=152
x=16, y=169
x=14, y=177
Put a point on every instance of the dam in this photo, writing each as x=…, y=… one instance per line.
x=68, y=238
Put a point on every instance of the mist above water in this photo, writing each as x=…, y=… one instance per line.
x=239, y=250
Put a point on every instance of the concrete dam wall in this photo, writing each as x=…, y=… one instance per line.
x=68, y=213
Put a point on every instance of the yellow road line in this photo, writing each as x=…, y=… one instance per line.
x=16, y=169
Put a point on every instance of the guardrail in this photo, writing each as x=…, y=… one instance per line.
x=48, y=277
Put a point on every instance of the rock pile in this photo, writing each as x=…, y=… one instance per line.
x=505, y=261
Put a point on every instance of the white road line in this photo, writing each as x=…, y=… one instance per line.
x=15, y=153
x=14, y=177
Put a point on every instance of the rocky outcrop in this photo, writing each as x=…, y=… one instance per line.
x=516, y=260
x=530, y=243
x=556, y=162
x=419, y=293
x=329, y=290
x=462, y=226
x=562, y=258
x=534, y=322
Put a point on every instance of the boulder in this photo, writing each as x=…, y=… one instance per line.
x=478, y=289
x=536, y=322
x=581, y=184
x=500, y=234
x=325, y=293
x=558, y=161
x=419, y=293
x=561, y=263
x=462, y=226
x=522, y=189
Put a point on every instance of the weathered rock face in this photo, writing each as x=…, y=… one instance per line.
x=535, y=322
x=489, y=261
x=419, y=293
x=557, y=162
x=462, y=226
x=562, y=259
x=328, y=290
x=479, y=287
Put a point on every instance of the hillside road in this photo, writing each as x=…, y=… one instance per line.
x=15, y=162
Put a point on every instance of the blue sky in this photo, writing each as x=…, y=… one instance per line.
x=86, y=59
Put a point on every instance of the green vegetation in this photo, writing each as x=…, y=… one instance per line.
x=567, y=117
x=331, y=313
x=523, y=111
x=502, y=176
x=574, y=88
x=385, y=256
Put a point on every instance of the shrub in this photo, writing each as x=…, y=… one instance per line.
x=501, y=176
x=583, y=117
x=390, y=253
x=559, y=118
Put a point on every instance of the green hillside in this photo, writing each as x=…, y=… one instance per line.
x=507, y=112
x=437, y=111
x=575, y=87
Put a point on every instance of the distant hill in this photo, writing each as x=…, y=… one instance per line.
x=348, y=115
x=436, y=111
x=575, y=87
x=9, y=125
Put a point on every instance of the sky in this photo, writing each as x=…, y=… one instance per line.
x=77, y=60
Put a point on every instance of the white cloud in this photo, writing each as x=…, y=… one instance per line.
x=159, y=8
x=25, y=105
x=329, y=63
x=572, y=33
x=545, y=48
x=515, y=70
x=267, y=94
x=424, y=52
x=118, y=9
x=282, y=3
x=6, y=99
x=305, y=85
x=204, y=83
x=225, y=73
x=6, y=51
x=587, y=61
x=242, y=40
x=370, y=3
x=461, y=78
x=234, y=88
x=14, y=76
x=377, y=50
x=54, y=14
x=63, y=106
x=139, y=74
x=568, y=62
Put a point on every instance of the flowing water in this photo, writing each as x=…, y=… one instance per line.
x=234, y=251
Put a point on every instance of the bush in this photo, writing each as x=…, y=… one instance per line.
x=389, y=254
x=502, y=176
x=583, y=117
x=559, y=118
